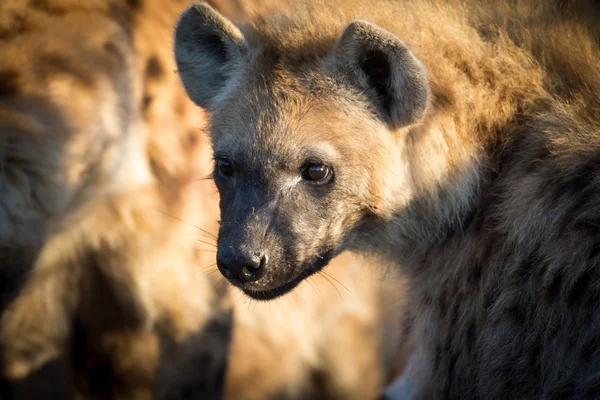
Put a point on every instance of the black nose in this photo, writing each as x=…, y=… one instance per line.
x=242, y=267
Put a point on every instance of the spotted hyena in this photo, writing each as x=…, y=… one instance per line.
x=461, y=140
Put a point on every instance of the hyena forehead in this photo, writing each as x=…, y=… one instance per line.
x=215, y=59
x=295, y=127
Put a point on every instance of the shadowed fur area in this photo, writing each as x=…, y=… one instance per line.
x=458, y=140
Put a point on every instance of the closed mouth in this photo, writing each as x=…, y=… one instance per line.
x=288, y=286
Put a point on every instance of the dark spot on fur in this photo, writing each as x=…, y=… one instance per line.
x=467, y=70
x=180, y=106
x=154, y=68
x=535, y=353
x=589, y=227
x=442, y=303
x=155, y=167
x=437, y=355
x=146, y=101
x=221, y=290
x=123, y=15
x=595, y=250
x=269, y=57
x=442, y=98
x=54, y=64
x=16, y=263
x=517, y=314
x=96, y=372
x=318, y=382
x=468, y=221
x=475, y=274
x=480, y=221
x=428, y=299
x=195, y=368
x=470, y=336
x=536, y=160
x=525, y=268
x=135, y=4
x=9, y=83
x=579, y=287
x=113, y=50
x=192, y=137
x=111, y=311
x=580, y=179
x=589, y=348
x=455, y=313
x=51, y=381
x=554, y=286
x=582, y=199
x=44, y=6
x=18, y=26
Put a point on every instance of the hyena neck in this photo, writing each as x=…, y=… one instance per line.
x=452, y=157
x=449, y=170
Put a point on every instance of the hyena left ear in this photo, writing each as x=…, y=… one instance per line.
x=379, y=62
x=209, y=50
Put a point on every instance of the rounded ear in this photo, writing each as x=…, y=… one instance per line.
x=379, y=62
x=208, y=51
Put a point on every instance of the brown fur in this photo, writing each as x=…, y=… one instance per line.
x=487, y=199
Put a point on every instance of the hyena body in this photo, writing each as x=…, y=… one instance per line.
x=103, y=272
x=461, y=141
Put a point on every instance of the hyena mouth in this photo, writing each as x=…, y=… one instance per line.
x=321, y=261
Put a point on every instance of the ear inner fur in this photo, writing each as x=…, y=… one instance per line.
x=403, y=88
x=206, y=48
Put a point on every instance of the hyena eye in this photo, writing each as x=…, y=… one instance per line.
x=317, y=173
x=225, y=167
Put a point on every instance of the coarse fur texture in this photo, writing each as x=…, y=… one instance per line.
x=106, y=244
x=462, y=143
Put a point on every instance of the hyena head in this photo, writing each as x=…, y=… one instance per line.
x=305, y=139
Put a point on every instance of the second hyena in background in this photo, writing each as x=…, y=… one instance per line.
x=458, y=139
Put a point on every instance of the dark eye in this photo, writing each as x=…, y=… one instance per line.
x=317, y=173
x=225, y=167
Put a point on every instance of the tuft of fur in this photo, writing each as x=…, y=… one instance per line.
x=487, y=200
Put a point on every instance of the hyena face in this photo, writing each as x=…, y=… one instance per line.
x=289, y=191
x=301, y=142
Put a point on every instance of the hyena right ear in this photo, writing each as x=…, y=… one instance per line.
x=380, y=63
x=208, y=47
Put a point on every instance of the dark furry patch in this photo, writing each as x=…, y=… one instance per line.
x=52, y=381
x=154, y=69
x=10, y=84
x=195, y=369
